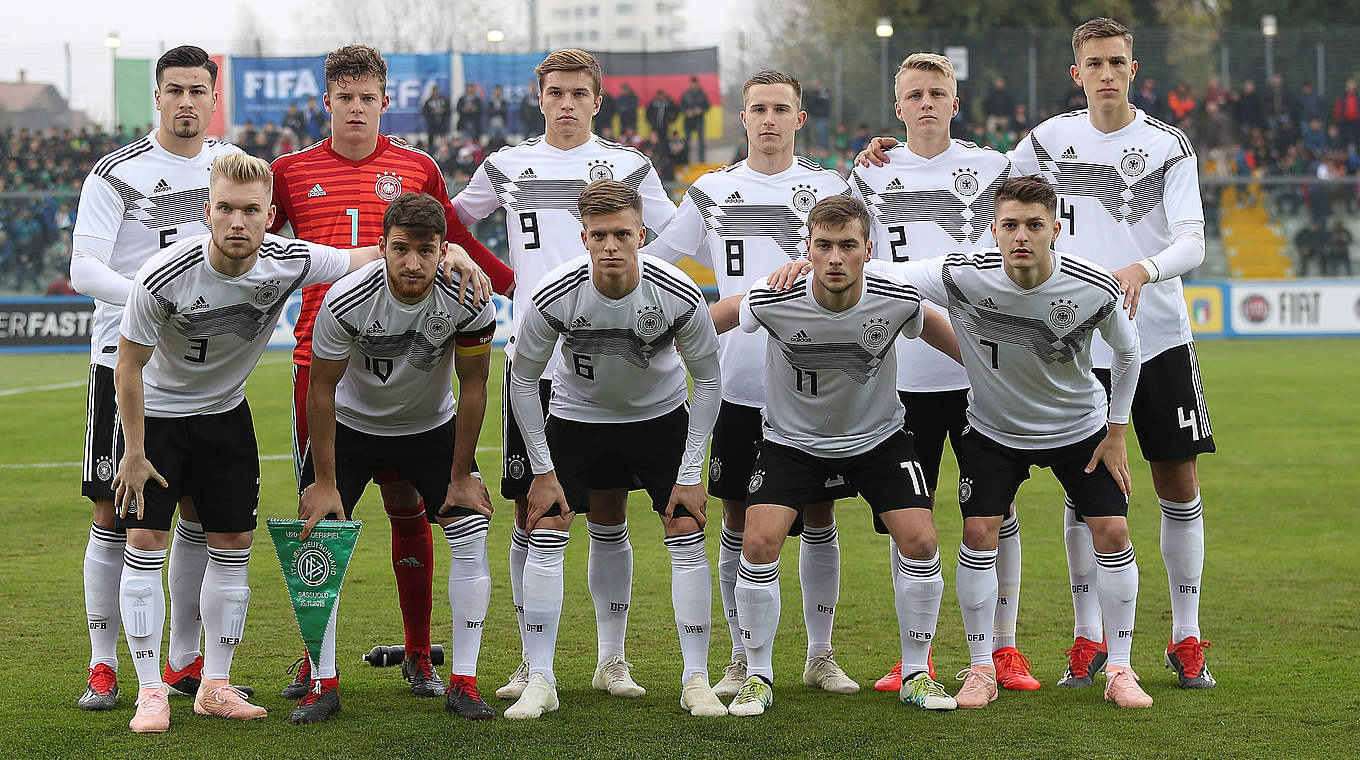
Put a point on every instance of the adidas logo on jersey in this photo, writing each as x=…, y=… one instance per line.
x=162, y=187
x=316, y=192
x=800, y=337
x=987, y=303
x=896, y=184
x=199, y=304
x=376, y=328
x=1069, y=153
x=527, y=174
x=580, y=323
x=735, y=197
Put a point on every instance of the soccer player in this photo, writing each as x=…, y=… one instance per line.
x=139, y=199
x=538, y=183
x=617, y=414
x=198, y=317
x=742, y=222
x=1128, y=188
x=831, y=409
x=335, y=192
x=386, y=342
x=936, y=195
x=1025, y=317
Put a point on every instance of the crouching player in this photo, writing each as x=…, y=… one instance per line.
x=386, y=341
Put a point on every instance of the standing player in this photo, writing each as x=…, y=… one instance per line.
x=831, y=410
x=1025, y=317
x=198, y=317
x=617, y=414
x=743, y=222
x=936, y=195
x=1128, y=188
x=137, y=200
x=335, y=192
x=538, y=183
x=386, y=342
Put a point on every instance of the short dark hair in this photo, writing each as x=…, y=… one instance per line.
x=571, y=60
x=605, y=196
x=417, y=213
x=1099, y=29
x=186, y=57
x=355, y=62
x=770, y=76
x=1028, y=188
x=838, y=211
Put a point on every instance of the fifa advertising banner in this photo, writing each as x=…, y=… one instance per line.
x=263, y=88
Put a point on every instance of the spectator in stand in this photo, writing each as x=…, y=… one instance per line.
x=247, y=139
x=26, y=233
x=1311, y=244
x=860, y=140
x=296, y=122
x=998, y=107
x=604, y=119
x=694, y=105
x=1020, y=123
x=497, y=117
x=627, y=107
x=271, y=139
x=1147, y=99
x=437, y=116
x=470, y=108
x=1308, y=105
x=661, y=112
x=1251, y=111
x=530, y=114
x=1180, y=102
x=840, y=139
x=1338, y=252
x=1279, y=104
x=1215, y=93
x=1346, y=114
x=817, y=103
x=1314, y=136
x=318, y=121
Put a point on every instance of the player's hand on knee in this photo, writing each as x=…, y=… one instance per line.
x=544, y=492
x=692, y=498
x=876, y=152
x=467, y=491
x=1113, y=452
x=784, y=277
x=470, y=276
x=1131, y=279
x=130, y=482
x=317, y=503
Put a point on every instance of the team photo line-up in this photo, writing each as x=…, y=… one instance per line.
x=1045, y=281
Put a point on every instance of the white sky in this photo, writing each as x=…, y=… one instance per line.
x=36, y=40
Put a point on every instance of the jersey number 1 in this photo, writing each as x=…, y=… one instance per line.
x=353, y=214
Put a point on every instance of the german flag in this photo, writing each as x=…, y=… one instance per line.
x=668, y=72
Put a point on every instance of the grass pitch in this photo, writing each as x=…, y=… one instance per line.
x=1280, y=605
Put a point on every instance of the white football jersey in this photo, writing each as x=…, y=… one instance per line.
x=1027, y=352
x=829, y=376
x=209, y=330
x=400, y=375
x=538, y=186
x=137, y=200
x=926, y=207
x=1122, y=197
x=618, y=357
x=743, y=225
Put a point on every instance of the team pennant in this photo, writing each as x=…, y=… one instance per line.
x=313, y=570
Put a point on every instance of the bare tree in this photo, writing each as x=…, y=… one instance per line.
x=411, y=26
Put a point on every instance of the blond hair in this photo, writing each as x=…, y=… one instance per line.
x=1098, y=29
x=605, y=196
x=568, y=60
x=770, y=76
x=932, y=62
x=240, y=169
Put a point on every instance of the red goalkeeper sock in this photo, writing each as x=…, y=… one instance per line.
x=413, y=564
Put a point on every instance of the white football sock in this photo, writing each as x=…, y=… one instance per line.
x=610, y=577
x=917, y=588
x=469, y=589
x=326, y=668
x=692, y=599
x=729, y=557
x=141, y=600
x=758, y=605
x=1183, y=553
x=519, y=551
x=1117, y=587
x=1008, y=584
x=819, y=574
x=543, y=599
x=225, y=598
x=976, y=585
x=1081, y=571
x=103, y=571
x=184, y=574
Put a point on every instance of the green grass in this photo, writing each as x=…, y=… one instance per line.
x=1280, y=605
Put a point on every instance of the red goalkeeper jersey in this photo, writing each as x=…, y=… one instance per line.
x=332, y=200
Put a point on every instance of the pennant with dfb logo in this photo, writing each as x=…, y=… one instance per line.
x=313, y=570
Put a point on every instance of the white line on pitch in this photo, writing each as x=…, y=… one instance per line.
x=36, y=388
x=264, y=458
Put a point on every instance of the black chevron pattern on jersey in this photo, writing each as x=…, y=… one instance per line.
x=1107, y=184
x=169, y=210
x=548, y=194
x=777, y=222
x=856, y=361
x=940, y=206
x=244, y=320
x=1033, y=335
x=412, y=346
